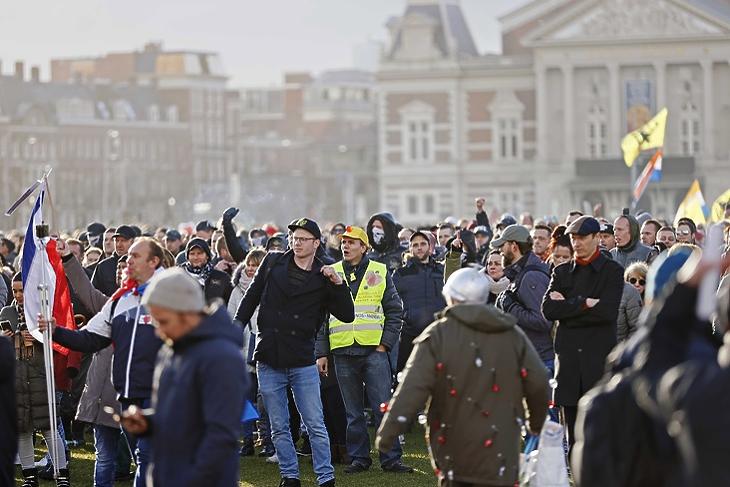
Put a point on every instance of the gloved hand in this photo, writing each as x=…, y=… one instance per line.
x=230, y=214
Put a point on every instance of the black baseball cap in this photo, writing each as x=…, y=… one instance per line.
x=173, y=234
x=606, y=228
x=95, y=229
x=126, y=232
x=306, y=224
x=205, y=226
x=585, y=225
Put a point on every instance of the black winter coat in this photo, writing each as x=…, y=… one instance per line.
x=8, y=420
x=419, y=286
x=289, y=318
x=218, y=286
x=585, y=336
x=105, y=275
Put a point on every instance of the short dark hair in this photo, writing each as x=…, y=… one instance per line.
x=575, y=212
x=525, y=247
x=543, y=227
x=155, y=249
x=656, y=224
x=446, y=225
x=8, y=243
x=667, y=229
x=18, y=277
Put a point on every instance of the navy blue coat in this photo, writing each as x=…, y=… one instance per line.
x=289, y=318
x=198, y=397
x=419, y=286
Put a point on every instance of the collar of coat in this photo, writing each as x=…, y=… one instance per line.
x=597, y=263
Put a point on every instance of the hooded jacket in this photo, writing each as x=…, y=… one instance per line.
x=198, y=398
x=471, y=368
x=216, y=284
x=634, y=251
x=388, y=251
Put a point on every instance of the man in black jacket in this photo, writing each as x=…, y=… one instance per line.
x=105, y=274
x=294, y=293
x=199, y=265
x=584, y=295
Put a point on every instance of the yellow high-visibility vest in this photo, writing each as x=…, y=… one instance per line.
x=367, y=329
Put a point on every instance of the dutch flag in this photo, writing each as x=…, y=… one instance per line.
x=36, y=263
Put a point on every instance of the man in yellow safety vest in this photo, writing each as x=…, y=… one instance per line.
x=361, y=349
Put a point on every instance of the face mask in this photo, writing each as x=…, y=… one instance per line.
x=257, y=241
x=378, y=235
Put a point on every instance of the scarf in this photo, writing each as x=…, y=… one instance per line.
x=200, y=274
x=22, y=352
x=590, y=259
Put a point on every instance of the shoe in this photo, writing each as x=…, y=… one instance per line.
x=46, y=472
x=123, y=476
x=30, y=477
x=397, y=467
x=267, y=452
x=290, y=483
x=272, y=459
x=306, y=449
x=64, y=479
x=329, y=483
x=247, y=448
x=355, y=467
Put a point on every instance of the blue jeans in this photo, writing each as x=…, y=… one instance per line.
x=106, y=440
x=373, y=370
x=141, y=447
x=304, y=382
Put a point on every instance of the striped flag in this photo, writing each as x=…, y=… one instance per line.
x=36, y=263
x=652, y=172
x=693, y=206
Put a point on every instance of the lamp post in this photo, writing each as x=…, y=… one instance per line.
x=111, y=155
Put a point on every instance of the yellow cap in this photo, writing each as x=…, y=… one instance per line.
x=357, y=233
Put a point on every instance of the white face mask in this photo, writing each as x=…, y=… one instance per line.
x=258, y=241
x=378, y=235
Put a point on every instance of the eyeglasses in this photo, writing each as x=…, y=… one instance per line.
x=302, y=239
x=633, y=280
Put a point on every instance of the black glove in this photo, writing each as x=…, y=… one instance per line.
x=230, y=214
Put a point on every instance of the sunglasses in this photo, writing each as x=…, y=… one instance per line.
x=633, y=280
x=683, y=232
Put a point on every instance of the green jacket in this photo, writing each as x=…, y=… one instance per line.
x=471, y=369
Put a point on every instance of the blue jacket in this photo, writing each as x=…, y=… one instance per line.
x=128, y=326
x=199, y=390
x=419, y=286
x=529, y=279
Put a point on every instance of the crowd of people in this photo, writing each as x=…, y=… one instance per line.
x=478, y=332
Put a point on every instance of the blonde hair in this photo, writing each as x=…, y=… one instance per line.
x=636, y=268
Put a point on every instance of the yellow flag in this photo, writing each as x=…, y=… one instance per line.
x=648, y=136
x=693, y=206
x=718, y=207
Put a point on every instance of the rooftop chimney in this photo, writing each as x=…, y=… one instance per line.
x=19, y=68
x=35, y=74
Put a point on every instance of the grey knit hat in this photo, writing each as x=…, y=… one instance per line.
x=175, y=290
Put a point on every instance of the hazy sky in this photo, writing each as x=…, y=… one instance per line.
x=257, y=40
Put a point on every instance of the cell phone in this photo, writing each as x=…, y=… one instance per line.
x=6, y=326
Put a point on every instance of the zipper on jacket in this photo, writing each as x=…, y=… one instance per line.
x=131, y=352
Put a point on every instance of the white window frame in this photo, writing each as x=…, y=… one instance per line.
x=690, y=129
x=418, y=139
x=507, y=127
x=596, y=132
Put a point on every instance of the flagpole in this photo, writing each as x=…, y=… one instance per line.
x=42, y=234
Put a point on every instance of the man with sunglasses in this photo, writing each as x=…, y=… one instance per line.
x=686, y=230
x=294, y=292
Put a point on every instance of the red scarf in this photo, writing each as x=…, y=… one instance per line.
x=128, y=285
x=590, y=259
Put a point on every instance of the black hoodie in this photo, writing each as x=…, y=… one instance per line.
x=389, y=251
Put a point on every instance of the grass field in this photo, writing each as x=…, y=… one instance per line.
x=255, y=472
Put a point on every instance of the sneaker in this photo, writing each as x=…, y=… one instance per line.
x=329, y=483
x=356, y=467
x=273, y=459
x=247, y=449
x=30, y=478
x=267, y=452
x=123, y=476
x=64, y=479
x=290, y=483
x=306, y=449
x=397, y=467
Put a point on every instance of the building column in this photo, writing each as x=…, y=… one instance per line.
x=614, y=111
x=569, y=109
x=708, y=120
x=660, y=72
x=541, y=110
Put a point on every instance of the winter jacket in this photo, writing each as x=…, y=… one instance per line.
x=635, y=251
x=389, y=251
x=419, y=286
x=4, y=292
x=471, y=368
x=585, y=336
x=198, y=399
x=217, y=284
x=98, y=389
x=105, y=275
x=391, y=305
x=529, y=280
x=8, y=417
x=30, y=382
x=251, y=328
x=129, y=328
x=289, y=318
x=237, y=251
x=628, y=313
